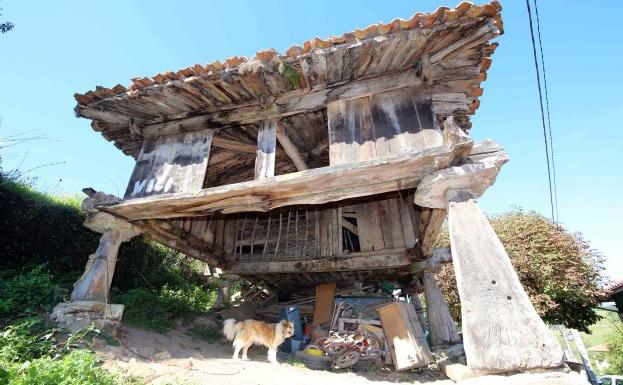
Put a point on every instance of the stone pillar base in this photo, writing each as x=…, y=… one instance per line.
x=77, y=315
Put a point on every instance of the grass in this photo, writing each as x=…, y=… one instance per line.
x=603, y=329
x=31, y=194
x=155, y=309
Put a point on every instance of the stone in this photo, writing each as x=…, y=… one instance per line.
x=456, y=372
x=77, y=315
x=162, y=356
x=205, y=322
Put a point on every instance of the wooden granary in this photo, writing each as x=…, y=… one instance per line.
x=337, y=161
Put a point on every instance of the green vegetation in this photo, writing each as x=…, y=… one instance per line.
x=602, y=330
x=155, y=309
x=614, y=357
x=44, y=250
x=558, y=269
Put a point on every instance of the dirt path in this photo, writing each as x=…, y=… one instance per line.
x=176, y=358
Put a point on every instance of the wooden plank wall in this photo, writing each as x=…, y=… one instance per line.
x=170, y=164
x=376, y=126
x=380, y=125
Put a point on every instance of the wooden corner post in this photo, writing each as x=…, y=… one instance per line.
x=501, y=329
x=94, y=285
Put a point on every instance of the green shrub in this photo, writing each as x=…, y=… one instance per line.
x=76, y=368
x=614, y=357
x=28, y=339
x=155, y=309
x=25, y=293
x=559, y=270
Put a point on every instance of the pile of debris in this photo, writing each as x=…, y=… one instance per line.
x=357, y=328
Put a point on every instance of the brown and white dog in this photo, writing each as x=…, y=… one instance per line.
x=248, y=332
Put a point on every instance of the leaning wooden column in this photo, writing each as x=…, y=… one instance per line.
x=90, y=297
x=94, y=285
x=441, y=325
x=501, y=329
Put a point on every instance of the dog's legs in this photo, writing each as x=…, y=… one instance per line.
x=272, y=355
x=244, y=352
x=236, y=350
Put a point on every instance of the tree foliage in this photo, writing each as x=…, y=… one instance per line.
x=558, y=269
x=5, y=26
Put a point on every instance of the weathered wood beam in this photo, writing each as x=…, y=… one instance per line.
x=289, y=103
x=502, y=331
x=315, y=186
x=349, y=226
x=383, y=259
x=182, y=241
x=290, y=149
x=266, y=146
x=233, y=145
x=431, y=221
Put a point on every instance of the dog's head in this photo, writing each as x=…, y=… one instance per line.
x=288, y=328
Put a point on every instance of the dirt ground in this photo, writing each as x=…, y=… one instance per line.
x=178, y=358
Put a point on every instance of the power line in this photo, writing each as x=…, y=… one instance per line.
x=549, y=122
x=538, y=79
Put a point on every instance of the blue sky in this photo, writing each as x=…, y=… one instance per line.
x=62, y=47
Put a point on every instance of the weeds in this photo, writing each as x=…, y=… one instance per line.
x=155, y=309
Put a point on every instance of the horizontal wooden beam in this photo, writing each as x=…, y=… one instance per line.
x=182, y=241
x=316, y=186
x=289, y=103
x=233, y=145
x=383, y=259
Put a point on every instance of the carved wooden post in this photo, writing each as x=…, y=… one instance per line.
x=90, y=297
x=501, y=329
x=440, y=323
x=94, y=285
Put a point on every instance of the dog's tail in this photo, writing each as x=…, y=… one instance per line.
x=230, y=328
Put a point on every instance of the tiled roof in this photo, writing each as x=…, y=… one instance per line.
x=377, y=49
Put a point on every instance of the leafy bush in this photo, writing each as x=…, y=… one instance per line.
x=614, y=357
x=27, y=339
x=558, y=269
x=155, y=309
x=25, y=293
x=76, y=368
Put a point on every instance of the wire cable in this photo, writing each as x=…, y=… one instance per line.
x=549, y=122
x=538, y=79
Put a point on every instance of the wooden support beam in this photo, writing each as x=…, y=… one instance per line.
x=384, y=259
x=233, y=145
x=349, y=226
x=502, y=331
x=289, y=103
x=290, y=149
x=182, y=241
x=440, y=323
x=315, y=186
x=431, y=221
x=266, y=146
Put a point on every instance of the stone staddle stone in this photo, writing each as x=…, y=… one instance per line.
x=77, y=315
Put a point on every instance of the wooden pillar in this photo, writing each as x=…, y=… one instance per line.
x=94, y=285
x=440, y=323
x=223, y=295
x=501, y=329
x=266, y=145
